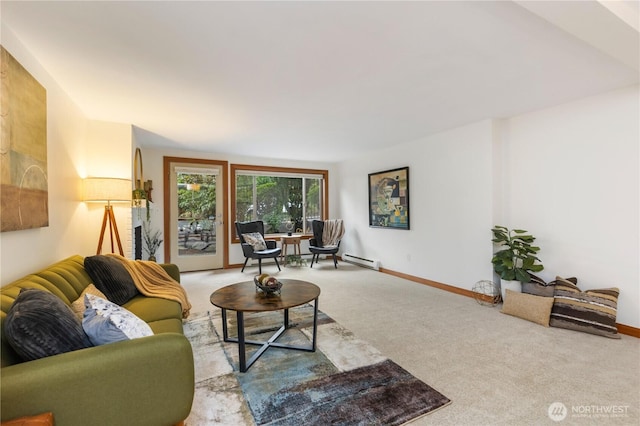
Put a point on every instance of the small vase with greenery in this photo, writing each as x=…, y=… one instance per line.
x=517, y=256
x=151, y=239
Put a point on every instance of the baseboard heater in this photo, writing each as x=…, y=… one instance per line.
x=361, y=261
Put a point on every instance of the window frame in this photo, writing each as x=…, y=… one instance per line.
x=295, y=172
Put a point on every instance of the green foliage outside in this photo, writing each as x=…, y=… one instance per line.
x=277, y=200
x=196, y=205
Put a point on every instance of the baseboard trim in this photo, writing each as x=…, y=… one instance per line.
x=622, y=328
x=430, y=283
x=628, y=330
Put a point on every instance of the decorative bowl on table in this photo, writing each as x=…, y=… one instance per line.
x=267, y=284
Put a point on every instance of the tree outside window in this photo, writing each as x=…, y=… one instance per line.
x=284, y=201
x=196, y=200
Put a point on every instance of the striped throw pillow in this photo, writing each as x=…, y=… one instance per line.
x=591, y=311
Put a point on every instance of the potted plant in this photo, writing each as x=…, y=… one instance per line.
x=295, y=260
x=152, y=240
x=515, y=258
x=137, y=196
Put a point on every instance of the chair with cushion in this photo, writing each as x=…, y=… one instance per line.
x=254, y=246
x=326, y=239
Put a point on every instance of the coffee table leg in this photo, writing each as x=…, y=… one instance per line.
x=315, y=325
x=225, y=331
x=241, y=346
x=286, y=318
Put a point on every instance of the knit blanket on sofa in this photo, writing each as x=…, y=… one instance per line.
x=153, y=281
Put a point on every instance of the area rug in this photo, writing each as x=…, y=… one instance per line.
x=345, y=381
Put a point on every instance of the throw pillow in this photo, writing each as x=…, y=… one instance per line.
x=255, y=240
x=111, y=277
x=105, y=322
x=528, y=306
x=78, y=305
x=591, y=311
x=40, y=324
x=538, y=287
x=567, y=282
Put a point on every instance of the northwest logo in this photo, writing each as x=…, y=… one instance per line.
x=557, y=411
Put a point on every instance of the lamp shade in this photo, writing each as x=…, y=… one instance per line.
x=99, y=189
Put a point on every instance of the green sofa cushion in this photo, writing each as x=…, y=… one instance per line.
x=171, y=325
x=153, y=308
x=68, y=276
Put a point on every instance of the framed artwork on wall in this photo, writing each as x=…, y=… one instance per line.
x=24, y=197
x=389, y=199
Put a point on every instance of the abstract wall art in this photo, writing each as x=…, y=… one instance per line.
x=389, y=199
x=24, y=191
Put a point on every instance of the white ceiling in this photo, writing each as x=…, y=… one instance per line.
x=323, y=81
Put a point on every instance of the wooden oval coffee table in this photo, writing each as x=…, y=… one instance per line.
x=245, y=297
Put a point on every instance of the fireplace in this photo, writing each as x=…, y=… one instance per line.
x=137, y=242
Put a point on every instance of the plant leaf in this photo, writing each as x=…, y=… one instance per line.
x=522, y=276
x=508, y=275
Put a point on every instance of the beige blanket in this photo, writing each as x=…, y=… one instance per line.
x=153, y=281
x=332, y=232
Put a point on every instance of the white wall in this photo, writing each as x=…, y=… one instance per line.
x=450, y=206
x=568, y=174
x=76, y=148
x=25, y=251
x=573, y=180
x=108, y=154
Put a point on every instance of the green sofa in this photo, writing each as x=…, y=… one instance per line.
x=145, y=381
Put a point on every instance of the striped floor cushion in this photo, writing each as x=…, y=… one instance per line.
x=591, y=311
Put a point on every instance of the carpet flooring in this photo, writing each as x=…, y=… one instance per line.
x=497, y=369
x=344, y=382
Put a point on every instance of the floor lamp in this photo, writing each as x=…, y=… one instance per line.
x=108, y=190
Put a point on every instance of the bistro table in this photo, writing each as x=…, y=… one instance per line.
x=290, y=240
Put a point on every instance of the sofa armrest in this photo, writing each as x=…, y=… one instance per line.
x=172, y=270
x=146, y=381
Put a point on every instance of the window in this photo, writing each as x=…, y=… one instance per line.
x=285, y=199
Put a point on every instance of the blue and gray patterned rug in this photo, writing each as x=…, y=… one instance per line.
x=345, y=382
